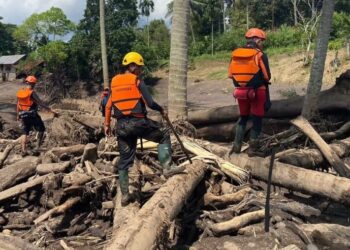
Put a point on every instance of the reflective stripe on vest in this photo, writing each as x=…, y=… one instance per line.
x=125, y=94
x=25, y=101
x=244, y=65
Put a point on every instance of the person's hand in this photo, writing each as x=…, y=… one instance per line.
x=108, y=130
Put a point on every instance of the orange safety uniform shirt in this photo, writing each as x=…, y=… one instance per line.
x=125, y=98
x=24, y=100
x=247, y=69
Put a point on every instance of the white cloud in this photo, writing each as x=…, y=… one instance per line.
x=16, y=11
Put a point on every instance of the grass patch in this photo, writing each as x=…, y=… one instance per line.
x=217, y=75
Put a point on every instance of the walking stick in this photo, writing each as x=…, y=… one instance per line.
x=177, y=137
x=267, y=204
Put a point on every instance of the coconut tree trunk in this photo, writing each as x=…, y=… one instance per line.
x=177, y=92
x=103, y=44
x=317, y=68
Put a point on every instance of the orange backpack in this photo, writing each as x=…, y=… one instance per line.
x=125, y=93
x=25, y=101
x=244, y=65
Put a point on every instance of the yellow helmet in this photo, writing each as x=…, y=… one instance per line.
x=133, y=57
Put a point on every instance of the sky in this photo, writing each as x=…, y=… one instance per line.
x=16, y=11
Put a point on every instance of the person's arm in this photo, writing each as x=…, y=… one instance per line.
x=147, y=98
x=108, y=112
x=39, y=102
x=265, y=68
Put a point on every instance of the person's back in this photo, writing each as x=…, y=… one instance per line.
x=128, y=100
x=250, y=73
x=27, y=112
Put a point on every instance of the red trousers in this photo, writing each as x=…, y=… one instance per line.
x=253, y=106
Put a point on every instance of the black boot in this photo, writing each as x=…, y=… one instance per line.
x=254, y=149
x=124, y=187
x=237, y=144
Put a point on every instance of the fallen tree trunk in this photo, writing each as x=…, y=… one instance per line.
x=18, y=171
x=339, y=166
x=225, y=199
x=8, y=242
x=343, y=130
x=332, y=235
x=226, y=131
x=47, y=168
x=71, y=150
x=336, y=98
x=236, y=223
x=145, y=228
x=313, y=158
x=21, y=188
x=58, y=210
x=298, y=179
x=6, y=153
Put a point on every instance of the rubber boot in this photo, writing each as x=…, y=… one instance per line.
x=39, y=140
x=237, y=144
x=164, y=157
x=254, y=145
x=124, y=187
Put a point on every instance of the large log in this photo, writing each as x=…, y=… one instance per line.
x=6, y=153
x=21, y=188
x=17, y=171
x=74, y=150
x=336, y=98
x=47, y=168
x=339, y=165
x=308, y=181
x=150, y=222
x=236, y=223
x=8, y=242
x=313, y=158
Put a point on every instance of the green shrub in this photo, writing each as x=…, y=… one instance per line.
x=285, y=36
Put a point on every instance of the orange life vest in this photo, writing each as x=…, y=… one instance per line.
x=244, y=67
x=126, y=96
x=24, y=97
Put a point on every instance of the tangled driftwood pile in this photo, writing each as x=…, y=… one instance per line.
x=67, y=197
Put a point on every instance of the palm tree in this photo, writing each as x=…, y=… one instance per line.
x=177, y=91
x=146, y=7
x=103, y=44
x=310, y=106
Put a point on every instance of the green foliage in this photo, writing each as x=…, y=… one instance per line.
x=285, y=36
x=54, y=53
x=120, y=20
x=37, y=29
x=230, y=40
x=146, y=7
x=160, y=38
x=6, y=40
x=341, y=25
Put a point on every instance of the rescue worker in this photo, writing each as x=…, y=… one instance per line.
x=27, y=112
x=250, y=72
x=128, y=99
x=103, y=101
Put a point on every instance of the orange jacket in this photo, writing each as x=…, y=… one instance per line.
x=24, y=99
x=125, y=98
x=247, y=68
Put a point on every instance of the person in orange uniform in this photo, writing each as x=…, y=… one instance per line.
x=250, y=72
x=103, y=101
x=128, y=100
x=27, y=112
